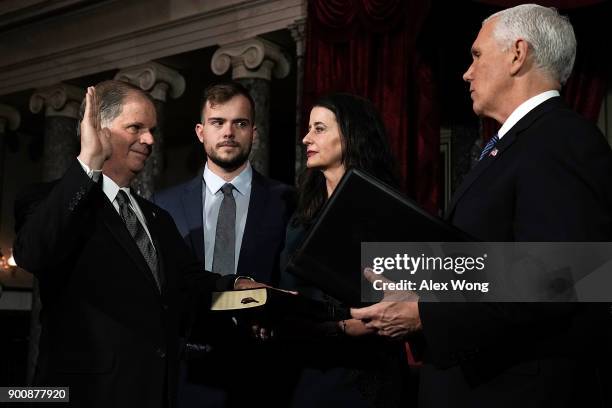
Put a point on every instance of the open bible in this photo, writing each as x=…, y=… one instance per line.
x=276, y=303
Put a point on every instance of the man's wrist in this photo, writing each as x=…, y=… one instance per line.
x=92, y=174
x=93, y=163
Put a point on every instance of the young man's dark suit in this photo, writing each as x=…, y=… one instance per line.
x=108, y=332
x=270, y=206
x=550, y=180
x=213, y=373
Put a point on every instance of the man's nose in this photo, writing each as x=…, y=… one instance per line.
x=147, y=138
x=467, y=75
x=228, y=130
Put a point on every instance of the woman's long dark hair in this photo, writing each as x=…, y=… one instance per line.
x=364, y=146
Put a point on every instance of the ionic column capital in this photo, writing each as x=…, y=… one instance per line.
x=58, y=100
x=157, y=79
x=298, y=33
x=252, y=58
x=9, y=118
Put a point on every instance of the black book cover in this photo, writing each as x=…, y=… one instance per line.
x=361, y=209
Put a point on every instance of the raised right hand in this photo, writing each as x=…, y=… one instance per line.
x=95, y=140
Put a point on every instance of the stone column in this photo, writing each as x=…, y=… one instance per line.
x=9, y=118
x=160, y=82
x=298, y=32
x=9, y=121
x=61, y=104
x=254, y=62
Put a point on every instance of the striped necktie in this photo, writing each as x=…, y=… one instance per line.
x=489, y=146
x=139, y=234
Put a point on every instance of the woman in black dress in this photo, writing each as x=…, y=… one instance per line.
x=332, y=369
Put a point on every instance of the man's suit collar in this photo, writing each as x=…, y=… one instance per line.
x=503, y=145
x=150, y=212
x=110, y=188
x=524, y=108
x=241, y=182
x=535, y=114
x=192, y=200
x=257, y=206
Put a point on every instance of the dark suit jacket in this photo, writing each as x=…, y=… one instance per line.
x=107, y=331
x=549, y=181
x=270, y=206
x=213, y=377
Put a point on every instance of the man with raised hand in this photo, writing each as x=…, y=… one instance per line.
x=112, y=267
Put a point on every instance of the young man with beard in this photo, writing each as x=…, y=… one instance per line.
x=234, y=221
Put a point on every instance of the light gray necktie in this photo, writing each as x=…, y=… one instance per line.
x=225, y=235
x=138, y=232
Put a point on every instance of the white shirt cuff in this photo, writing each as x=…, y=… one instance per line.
x=92, y=174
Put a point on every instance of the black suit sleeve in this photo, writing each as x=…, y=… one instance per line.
x=51, y=219
x=195, y=284
x=561, y=194
x=562, y=191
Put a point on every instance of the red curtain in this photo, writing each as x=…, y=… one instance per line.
x=368, y=48
x=586, y=87
x=585, y=92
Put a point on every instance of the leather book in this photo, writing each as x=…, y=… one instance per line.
x=361, y=209
x=276, y=304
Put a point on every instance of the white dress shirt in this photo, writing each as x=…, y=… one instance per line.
x=212, y=203
x=111, y=189
x=523, y=109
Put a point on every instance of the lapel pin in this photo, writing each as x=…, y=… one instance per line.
x=493, y=152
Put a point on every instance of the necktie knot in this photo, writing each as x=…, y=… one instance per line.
x=489, y=146
x=122, y=198
x=227, y=189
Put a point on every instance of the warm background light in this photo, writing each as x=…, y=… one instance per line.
x=11, y=261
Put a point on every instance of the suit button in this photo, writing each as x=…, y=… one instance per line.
x=165, y=307
x=161, y=353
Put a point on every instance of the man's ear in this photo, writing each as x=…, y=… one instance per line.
x=199, y=130
x=518, y=50
x=255, y=134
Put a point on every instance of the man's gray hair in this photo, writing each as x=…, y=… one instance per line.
x=111, y=96
x=549, y=34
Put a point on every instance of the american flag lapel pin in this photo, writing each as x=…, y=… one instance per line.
x=493, y=153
